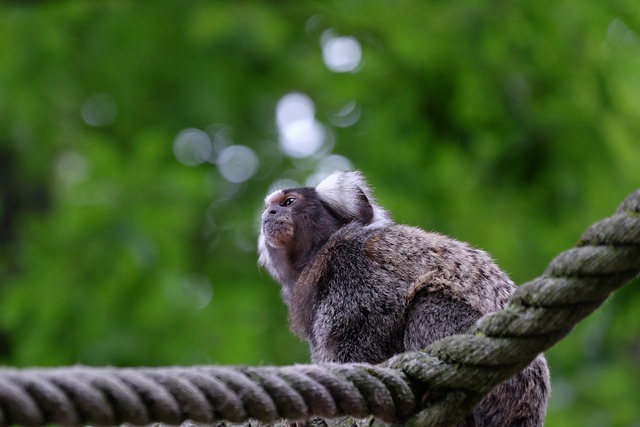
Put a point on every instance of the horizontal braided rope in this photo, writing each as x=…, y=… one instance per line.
x=437, y=386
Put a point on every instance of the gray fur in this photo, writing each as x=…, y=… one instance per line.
x=361, y=288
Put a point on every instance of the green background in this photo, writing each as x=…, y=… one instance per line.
x=511, y=125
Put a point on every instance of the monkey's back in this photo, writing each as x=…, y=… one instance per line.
x=365, y=284
x=439, y=263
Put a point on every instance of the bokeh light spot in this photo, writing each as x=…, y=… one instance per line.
x=302, y=138
x=72, y=167
x=237, y=163
x=221, y=138
x=341, y=54
x=619, y=32
x=196, y=290
x=192, y=147
x=294, y=107
x=301, y=135
x=99, y=110
x=346, y=116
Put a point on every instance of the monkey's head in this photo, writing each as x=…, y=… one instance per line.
x=297, y=222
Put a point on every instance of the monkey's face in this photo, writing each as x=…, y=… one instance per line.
x=277, y=219
x=295, y=226
x=296, y=221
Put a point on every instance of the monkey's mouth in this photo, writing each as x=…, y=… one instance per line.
x=277, y=233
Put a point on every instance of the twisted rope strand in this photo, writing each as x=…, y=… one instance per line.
x=108, y=396
x=446, y=380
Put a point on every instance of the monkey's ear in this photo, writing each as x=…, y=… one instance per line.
x=365, y=210
x=347, y=196
x=359, y=209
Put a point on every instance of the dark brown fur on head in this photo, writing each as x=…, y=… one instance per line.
x=297, y=222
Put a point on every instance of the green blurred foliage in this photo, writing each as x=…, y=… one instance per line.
x=509, y=125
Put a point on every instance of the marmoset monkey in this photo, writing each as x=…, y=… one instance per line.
x=361, y=288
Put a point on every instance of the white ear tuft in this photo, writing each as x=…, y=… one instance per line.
x=345, y=192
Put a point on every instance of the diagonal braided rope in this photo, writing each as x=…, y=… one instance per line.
x=445, y=381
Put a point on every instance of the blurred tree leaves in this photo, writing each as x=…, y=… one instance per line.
x=512, y=126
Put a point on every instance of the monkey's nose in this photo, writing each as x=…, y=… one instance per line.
x=272, y=212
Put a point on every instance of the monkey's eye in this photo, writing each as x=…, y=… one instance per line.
x=288, y=201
